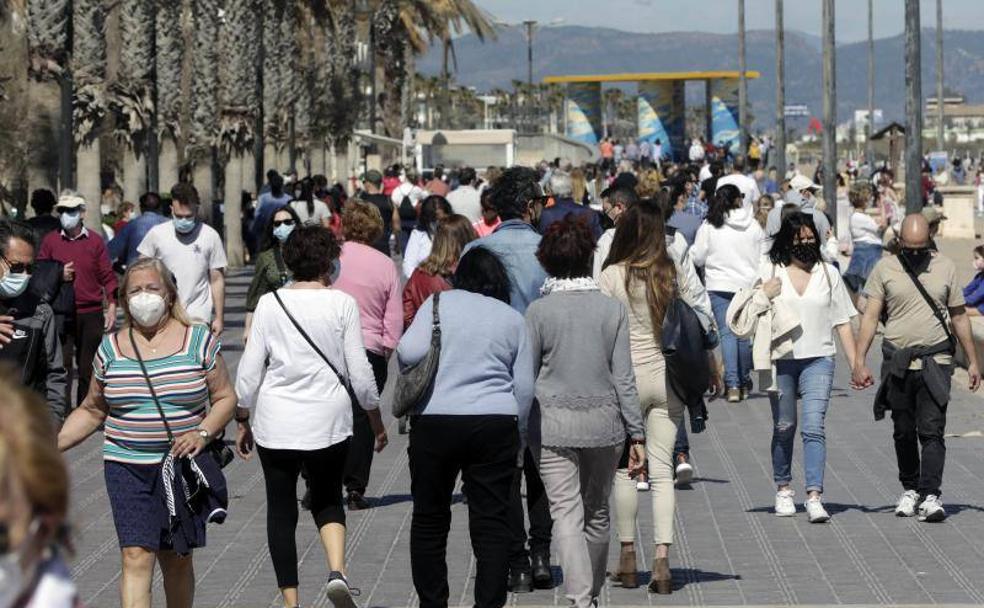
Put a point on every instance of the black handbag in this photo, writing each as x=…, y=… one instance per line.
x=216, y=447
x=413, y=384
x=307, y=338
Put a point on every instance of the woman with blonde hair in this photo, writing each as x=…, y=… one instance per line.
x=649, y=184
x=159, y=376
x=33, y=504
x=453, y=233
x=579, y=187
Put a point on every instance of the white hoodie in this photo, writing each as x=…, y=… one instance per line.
x=732, y=253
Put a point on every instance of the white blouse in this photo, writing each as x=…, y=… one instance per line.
x=824, y=305
x=418, y=249
x=299, y=402
x=864, y=229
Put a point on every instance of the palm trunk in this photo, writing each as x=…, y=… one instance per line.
x=233, y=209
x=134, y=175
x=167, y=163
x=913, y=109
x=87, y=163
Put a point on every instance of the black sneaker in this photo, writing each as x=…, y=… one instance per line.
x=520, y=581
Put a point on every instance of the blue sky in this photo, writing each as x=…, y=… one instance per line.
x=721, y=16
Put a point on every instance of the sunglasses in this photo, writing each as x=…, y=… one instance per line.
x=279, y=223
x=68, y=210
x=18, y=267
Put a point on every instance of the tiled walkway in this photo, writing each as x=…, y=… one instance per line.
x=730, y=549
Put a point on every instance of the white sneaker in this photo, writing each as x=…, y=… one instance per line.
x=906, y=506
x=339, y=591
x=684, y=473
x=785, y=507
x=815, y=511
x=931, y=509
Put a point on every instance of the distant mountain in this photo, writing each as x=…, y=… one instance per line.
x=588, y=50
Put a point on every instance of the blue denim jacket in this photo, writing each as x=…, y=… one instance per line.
x=514, y=242
x=130, y=236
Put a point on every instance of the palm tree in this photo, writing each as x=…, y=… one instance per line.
x=204, y=98
x=277, y=61
x=169, y=100
x=48, y=48
x=90, y=103
x=14, y=153
x=237, y=93
x=404, y=27
x=132, y=93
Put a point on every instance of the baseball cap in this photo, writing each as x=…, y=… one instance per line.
x=70, y=200
x=933, y=214
x=802, y=182
x=373, y=177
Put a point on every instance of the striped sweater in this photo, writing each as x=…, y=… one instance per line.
x=134, y=431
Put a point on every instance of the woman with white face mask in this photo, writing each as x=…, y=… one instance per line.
x=33, y=506
x=188, y=373
x=271, y=272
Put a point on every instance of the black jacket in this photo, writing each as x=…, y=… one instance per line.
x=35, y=351
x=192, y=493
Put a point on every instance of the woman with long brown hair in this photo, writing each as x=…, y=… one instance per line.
x=453, y=233
x=640, y=273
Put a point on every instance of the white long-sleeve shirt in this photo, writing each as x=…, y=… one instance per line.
x=299, y=403
x=864, y=229
x=418, y=248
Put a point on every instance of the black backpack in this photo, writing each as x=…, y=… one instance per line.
x=408, y=212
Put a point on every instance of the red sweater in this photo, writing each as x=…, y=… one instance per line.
x=420, y=287
x=94, y=276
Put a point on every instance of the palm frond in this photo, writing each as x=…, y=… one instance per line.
x=170, y=53
x=90, y=103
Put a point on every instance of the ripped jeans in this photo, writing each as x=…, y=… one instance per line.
x=810, y=381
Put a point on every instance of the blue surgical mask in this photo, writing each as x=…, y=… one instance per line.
x=184, y=225
x=283, y=231
x=13, y=284
x=70, y=219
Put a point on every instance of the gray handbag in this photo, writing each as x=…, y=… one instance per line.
x=414, y=383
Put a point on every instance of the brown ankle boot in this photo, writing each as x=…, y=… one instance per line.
x=662, y=582
x=627, y=573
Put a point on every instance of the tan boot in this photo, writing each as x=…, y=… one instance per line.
x=627, y=573
x=662, y=582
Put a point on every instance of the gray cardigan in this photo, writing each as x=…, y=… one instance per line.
x=585, y=387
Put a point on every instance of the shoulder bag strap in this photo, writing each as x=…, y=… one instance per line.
x=308, y=339
x=150, y=385
x=436, y=327
x=278, y=258
x=929, y=299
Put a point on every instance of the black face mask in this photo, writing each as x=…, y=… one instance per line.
x=806, y=253
x=917, y=259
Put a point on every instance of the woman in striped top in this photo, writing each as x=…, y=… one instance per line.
x=192, y=385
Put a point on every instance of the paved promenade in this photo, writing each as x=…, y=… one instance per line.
x=730, y=550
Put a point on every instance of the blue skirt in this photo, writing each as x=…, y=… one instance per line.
x=137, y=507
x=864, y=258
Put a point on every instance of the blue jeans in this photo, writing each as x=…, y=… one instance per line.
x=682, y=445
x=810, y=380
x=737, y=353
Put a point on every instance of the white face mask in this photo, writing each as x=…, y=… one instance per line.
x=147, y=309
x=71, y=219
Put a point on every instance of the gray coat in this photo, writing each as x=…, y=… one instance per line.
x=586, y=395
x=774, y=221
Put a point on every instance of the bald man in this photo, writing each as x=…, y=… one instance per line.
x=918, y=348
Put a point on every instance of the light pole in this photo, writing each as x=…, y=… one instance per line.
x=742, y=82
x=869, y=147
x=829, y=112
x=940, y=143
x=530, y=25
x=780, y=142
x=913, y=109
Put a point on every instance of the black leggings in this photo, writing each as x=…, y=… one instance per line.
x=325, y=468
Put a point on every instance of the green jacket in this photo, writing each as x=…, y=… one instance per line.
x=269, y=276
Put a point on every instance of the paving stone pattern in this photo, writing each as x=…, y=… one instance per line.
x=730, y=549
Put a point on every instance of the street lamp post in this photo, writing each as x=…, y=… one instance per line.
x=829, y=112
x=913, y=109
x=530, y=25
x=869, y=145
x=780, y=142
x=742, y=81
x=940, y=135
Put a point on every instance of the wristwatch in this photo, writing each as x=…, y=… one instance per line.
x=204, y=434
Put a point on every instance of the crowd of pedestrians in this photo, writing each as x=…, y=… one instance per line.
x=560, y=327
